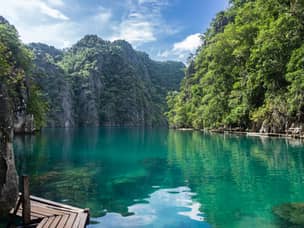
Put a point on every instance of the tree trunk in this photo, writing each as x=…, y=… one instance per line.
x=8, y=173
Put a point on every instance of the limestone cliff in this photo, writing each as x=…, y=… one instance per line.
x=102, y=83
x=8, y=174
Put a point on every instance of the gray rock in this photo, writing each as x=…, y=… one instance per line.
x=8, y=174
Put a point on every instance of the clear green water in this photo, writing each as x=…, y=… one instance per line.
x=162, y=178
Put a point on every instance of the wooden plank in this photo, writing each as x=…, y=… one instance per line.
x=77, y=220
x=63, y=221
x=35, y=199
x=26, y=201
x=52, y=214
x=43, y=222
x=39, y=214
x=50, y=221
x=34, y=216
x=83, y=220
x=71, y=220
x=60, y=209
x=44, y=201
x=46, y=212
x=56, y=221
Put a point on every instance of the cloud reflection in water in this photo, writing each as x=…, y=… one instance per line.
x=164, y=208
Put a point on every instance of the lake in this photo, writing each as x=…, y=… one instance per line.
x=164, y=178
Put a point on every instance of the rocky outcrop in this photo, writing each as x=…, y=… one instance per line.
x=24, y=123
x=53, y=82
x=8, y=174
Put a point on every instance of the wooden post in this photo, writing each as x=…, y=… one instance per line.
x=26, y=202
x=87, y=210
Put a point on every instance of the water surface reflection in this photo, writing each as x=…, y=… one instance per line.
x=134, y=176
x=163, y=207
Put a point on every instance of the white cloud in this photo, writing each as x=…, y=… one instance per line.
x=57, y=35
x=140, y=22
x=181, y=50
x=51, y=12
x=16, y=10
x=144, y=1
x=103, y=16
x=189, y=44
x=137, y=32
x=65, y=33
x=179, y=206
x=136, y=29
x=165, y=54
x=41, y=21
x=143, y=23
x=56, y=2
x=149, y=1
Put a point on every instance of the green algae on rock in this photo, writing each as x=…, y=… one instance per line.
x=291, y=213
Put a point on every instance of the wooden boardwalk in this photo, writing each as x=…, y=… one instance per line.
x=45, y=213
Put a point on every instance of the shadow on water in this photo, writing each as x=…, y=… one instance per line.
x=163, y=177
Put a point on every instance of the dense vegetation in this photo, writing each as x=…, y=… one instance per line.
x=16, y=78
x=15, y=65
x=98, y=82
x=93, y=83
x=249, y=72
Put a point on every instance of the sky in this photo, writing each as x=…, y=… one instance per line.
x=165, y=29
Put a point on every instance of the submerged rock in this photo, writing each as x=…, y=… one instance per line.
x=290, y=213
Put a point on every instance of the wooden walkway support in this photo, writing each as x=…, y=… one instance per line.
x=26, y=202
x=42, y=213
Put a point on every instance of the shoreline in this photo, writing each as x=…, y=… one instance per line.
x=246, y=133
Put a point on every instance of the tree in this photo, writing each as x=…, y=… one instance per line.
x=9, y=77
x=16, y=90
x=251, y=61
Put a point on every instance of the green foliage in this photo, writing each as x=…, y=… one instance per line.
x=98, y=82
x=295, y=77
x=37, y=106
x=250, y=69
x=5, y=67
x=15, y=72
x=15, y=59
x=273, y=113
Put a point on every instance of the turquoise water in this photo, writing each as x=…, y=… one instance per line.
x=164, y=178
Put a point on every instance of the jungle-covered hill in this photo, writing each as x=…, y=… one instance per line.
x=97, y=82
x=249, y=72
x=93, y=83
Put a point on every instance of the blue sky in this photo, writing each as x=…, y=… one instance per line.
x=165, y=29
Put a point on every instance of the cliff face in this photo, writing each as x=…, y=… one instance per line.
x=53, y=82
x=8, y=174
x=23, y=121
x=102, y=83
x=10, y=103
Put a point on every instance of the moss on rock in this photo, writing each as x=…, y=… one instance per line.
x=290, y=213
